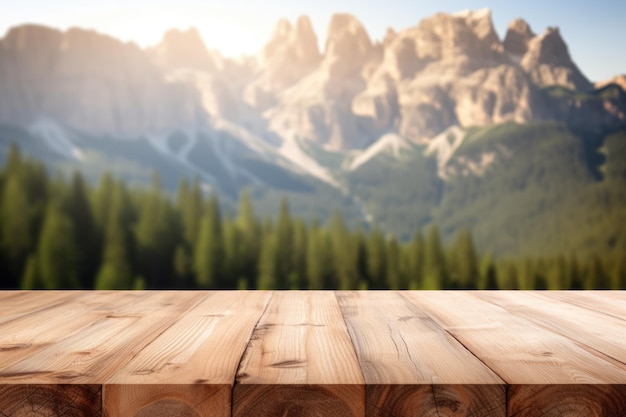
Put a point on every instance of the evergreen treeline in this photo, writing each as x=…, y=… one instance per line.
x=56, y=233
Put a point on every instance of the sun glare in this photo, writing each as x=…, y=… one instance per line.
x=231, y=33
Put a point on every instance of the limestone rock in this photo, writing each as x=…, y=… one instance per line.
x=517, y=37
x=618, y=80
x=290, y=55
x=90, y=82
x=549, y=63
x=182, y=49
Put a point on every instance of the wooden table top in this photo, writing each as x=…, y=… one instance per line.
x=350, y=342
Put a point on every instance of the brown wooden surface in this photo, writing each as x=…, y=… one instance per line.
x=263, y=353
x=403, y=353
x=300, y=361
x=50, y=400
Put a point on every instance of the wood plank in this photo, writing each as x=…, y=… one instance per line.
x=513, y=347
x=436, y=400
x=20, y=303
x=204, y=346
x=25, y=335
x=566, y=400
x=604, y=335
x=300, y=361
x=605, y=302
x=200, y=353
x=165, y=400
x=93, y=354
x=410, y=363
x=50, y=400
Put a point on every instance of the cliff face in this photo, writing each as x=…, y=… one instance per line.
x=548, y=62
x=88, y=81
x=449, y=70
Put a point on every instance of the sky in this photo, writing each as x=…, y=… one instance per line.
x=594, y=30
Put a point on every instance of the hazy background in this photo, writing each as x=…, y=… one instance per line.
x=594, y=29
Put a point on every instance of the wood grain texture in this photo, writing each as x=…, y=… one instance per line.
x=50, y=400
x=566, y=400
x=100, y=349
x=312, y=353
x=165, y=400
x=25, y=335
x=407, y=358
x=16, y=304
x=513, y=347
x=610, y=303
x=435, y=400
x=604, y=337
x=300, y=361
x=204, y=347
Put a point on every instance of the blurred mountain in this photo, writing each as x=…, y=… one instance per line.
x=417, y=128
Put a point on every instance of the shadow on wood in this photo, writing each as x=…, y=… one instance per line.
x=435, y=400
x=167, y=400
x=566, y=400
x=298, y=400
x=50, y=400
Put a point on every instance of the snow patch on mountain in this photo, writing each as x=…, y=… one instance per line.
x=292, y=151
x=443, y=147
x=160, y=143
x=390, y=144
x=55, y=138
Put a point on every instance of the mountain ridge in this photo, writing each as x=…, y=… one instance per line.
x=314, y=124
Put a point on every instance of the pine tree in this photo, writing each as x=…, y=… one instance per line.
x=318, y=262
x=525, y=274
x=345, y=254
x=209, y=253
x=249, y=231
x=376, y=259
x=268, y=263
x=297, y=279
x=435, y=275
x=489, y=278
x=78, y=208
x=233, y=246
x=191, y=206
x=284, y=245
x=595, y=278
x=158, y=235
x=31, y=280
x=393, y=260
x=102, y=200
x=116, y=269
x=415, y=263
x=618, y=277
x=507, y=275
x=182, y=267
x=58, y=251
x=466, y=262
x=556, y=274
x=17, y=228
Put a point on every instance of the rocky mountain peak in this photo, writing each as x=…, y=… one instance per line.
x=481, y=23
x=619, y=80
x=548, y=48
x=32, y=38
x=390, y=35
x=463, y=36
x=291, y=53
x=305, y=42
x=295, y=45
x=549, y=63
x=182, y=49
x=348, y=46
x=517, y=37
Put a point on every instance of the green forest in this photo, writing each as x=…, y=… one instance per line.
x=60, y=233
